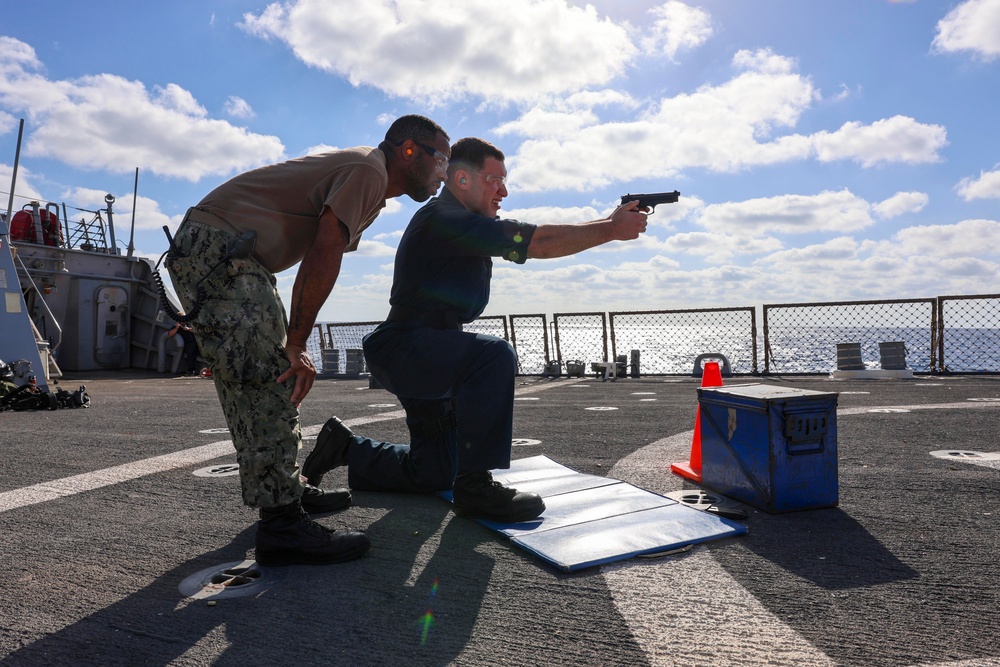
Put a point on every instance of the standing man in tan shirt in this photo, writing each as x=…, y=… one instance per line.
x=222, y=261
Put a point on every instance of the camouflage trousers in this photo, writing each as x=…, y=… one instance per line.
x=241, y=332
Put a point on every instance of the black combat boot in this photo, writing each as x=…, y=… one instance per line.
x=287, y=536
x=479, y=496
x=330, y=451
x=317, y=500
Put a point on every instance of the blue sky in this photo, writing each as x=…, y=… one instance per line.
x=825, y=150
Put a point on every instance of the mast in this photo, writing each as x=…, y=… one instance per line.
x=5, y=231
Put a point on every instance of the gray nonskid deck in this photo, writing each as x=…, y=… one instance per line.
x=103, y=519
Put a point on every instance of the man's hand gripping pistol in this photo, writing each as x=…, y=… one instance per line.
x=651, y=200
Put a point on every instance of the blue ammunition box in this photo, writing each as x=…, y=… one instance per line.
x=771, y=447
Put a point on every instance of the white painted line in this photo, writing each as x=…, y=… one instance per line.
x=67, y=486
x=932, y=406
x=88, y=481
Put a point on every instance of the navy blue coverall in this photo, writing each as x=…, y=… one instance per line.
x=457, y=387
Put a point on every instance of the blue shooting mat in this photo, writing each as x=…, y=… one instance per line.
x=591, y=520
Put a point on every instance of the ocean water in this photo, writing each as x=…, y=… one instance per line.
x=672, y=350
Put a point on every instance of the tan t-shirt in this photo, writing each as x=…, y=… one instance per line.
x=283, y=202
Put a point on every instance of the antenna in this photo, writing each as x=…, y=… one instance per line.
x=13, y=177
x=135, y=197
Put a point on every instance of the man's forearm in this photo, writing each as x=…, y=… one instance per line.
x=316, y=277
x=311, y=290
x=561, y=240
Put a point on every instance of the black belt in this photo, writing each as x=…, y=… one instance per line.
x=436, y=319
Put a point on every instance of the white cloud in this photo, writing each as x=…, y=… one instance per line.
x=394, y=205
x=448, y=49
x=677, y=26
x=987, y=186
x=721, y=128
x=973, y=26
x=763, y=61
x=25, y=186
x=174, y=98
x=366, y=298
x=393, y=236
x=839, y=211
x=844, y=92
x=7, y=122
x=17, y=56
x=840, y=249
x=916, y=262
x=901, y=203
x=147, y=211
x=108, y=122
x=237, y=107
x=717, y=248
x=320, y=148
x=896, y=139
x=372, y=248
x=559, y=124
x=547, y=215
x=968, y=238
x=557, y=117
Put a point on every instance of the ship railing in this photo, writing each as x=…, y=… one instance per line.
x=944, y=334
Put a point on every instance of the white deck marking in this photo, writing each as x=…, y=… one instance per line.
x=88, y=481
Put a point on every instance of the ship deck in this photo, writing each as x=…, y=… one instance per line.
x=108, y=514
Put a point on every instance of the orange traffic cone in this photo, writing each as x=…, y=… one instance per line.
x=711, y=377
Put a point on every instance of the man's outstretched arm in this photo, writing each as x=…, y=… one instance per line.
x=558, y=240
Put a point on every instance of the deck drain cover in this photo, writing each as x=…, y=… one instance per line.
x=709, y=502
x=524, y=442
x=223, y=470
x=231, y=580
x=696, y=499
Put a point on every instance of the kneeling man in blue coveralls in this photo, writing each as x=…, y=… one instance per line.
x=457, y=387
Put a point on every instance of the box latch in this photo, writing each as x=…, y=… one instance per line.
x=804, y=429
